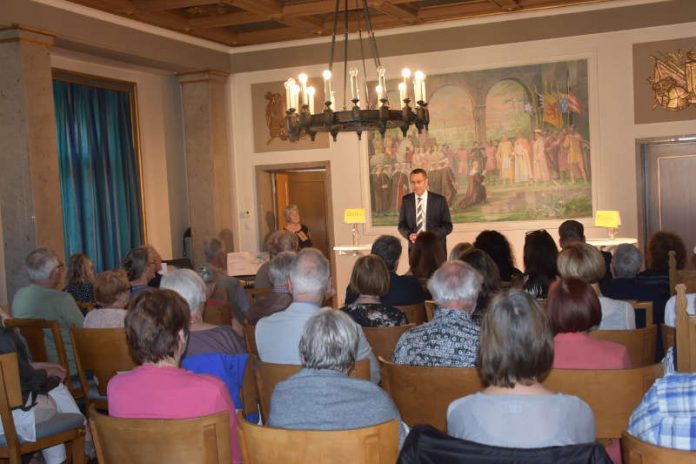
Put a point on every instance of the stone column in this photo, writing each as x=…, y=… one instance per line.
x=30, y=202
x=207, y=158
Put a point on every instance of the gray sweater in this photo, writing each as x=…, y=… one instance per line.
x=323, y=399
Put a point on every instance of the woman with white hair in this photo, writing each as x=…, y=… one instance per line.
x=294, y=225
x=204, y=337
x=322, y=396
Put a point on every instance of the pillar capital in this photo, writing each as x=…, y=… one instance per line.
x=26, y=34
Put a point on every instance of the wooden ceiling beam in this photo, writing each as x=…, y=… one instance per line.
x=224, y=20
x=389, y=9
x=271, y=9
x=319, y=7
x=459, y=11
x=162, y=5
x=269, y=36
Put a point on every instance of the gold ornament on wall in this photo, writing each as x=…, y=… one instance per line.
x=674, y=80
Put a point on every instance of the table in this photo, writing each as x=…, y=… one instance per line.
x=611, y=242
x=353, y=250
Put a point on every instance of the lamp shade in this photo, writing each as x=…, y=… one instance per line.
x=610, y=219
x=354, y=216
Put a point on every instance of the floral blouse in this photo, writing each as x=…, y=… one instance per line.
x=375, y=315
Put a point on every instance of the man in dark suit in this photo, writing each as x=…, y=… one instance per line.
x=403, y=290
x=422, y=210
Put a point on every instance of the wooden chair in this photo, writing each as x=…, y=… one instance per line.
x=85, y=306
x=250, y=339
x=378, y=444
x=415, y=313
x=669, y=334
x=268, y=375
x=257, y=293
x=646, y=306
x=430, y=309
x=422, y=394
x=218, y=313
x=612, y=394
x=680, y=276
x=204, y=440
x=104, y=353
x=33, y=331
x=640, y=343
x=685, y=333
x=636, y=451
x=61, y=428
x=383, y=340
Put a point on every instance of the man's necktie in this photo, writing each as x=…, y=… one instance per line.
x=420, y=220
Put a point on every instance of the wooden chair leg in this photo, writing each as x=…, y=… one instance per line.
x=78, y=449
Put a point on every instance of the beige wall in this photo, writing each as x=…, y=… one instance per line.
x=613, y=133
x=161, y=145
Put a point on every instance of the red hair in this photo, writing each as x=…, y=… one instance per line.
x=573, y=306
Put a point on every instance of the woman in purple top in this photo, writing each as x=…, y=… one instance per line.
x=204, y=337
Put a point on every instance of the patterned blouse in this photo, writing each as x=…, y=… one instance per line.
x=375, y=315
x=451, y=339
x=81, y=291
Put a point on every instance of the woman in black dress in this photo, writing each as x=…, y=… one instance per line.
x=293, y=224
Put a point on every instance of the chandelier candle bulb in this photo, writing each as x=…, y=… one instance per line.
x=354, y=84
x=310, y=92
x=402, y=94
x=303, y=80
x=327, y=85
x=418, y=85
x=382, y=79
x=423, y=97
x=379, y=91
x=288, y=93
x=333, y=100
x=295, y=95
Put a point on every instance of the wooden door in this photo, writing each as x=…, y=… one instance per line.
x=306, y=189
x=670, y=189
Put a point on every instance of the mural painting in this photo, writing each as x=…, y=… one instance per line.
x=507, y=144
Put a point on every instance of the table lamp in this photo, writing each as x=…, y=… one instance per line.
x=354, y=216
x=608, y=219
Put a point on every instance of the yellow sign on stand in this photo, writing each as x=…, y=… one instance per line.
x=354, y=216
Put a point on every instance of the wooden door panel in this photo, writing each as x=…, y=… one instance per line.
x=307, y=190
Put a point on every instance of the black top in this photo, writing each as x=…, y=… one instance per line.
x=303, y=237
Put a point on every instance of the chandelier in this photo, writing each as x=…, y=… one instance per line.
x=365, y=114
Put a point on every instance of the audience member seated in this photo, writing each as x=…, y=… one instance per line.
x=322, y=396
x=280, y=298
x=277, y=335
x=216, y=259
x=540, y=269
x=656, y=273
x=498, y=248
x=585, y=262
x=627, y=285
x=157, y=329
x=203, y=337
x=515, y=410
x=451, y=339
x=209, y=277
x=138, y=269
x=459, y=250
x=426, y=257
x=370, y=280
x=277, y=242
x=404, y=290
x=41, y=299
x=79, y=279
x=667, y=414
x=490, y=285
x=113, y=294
x=572, y=231
x=155, y=263
x=43, y=392
x=574, y=309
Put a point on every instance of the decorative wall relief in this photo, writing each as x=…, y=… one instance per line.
x=674, y=80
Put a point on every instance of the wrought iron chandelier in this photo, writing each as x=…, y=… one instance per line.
x=302, y=119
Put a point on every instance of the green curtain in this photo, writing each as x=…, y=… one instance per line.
x=99, y=173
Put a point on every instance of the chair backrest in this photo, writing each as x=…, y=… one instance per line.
x=685, y=333
x=636, y=451
x=612, y=394
x=383, y=339
x=415, y=313
x=254, y=294
x=10, y=395
x=218, y=313
x=378, y=444
x=429, y=310
x=680, y=276
x=204, y=440
x=104, y=352
x=250, y=339
x=640, y=343
x=32, y=330
x=268, y=375
x=422, y=394
x=647, y=307
x=669, y=334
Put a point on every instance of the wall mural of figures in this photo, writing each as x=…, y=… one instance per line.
x=506, y=144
